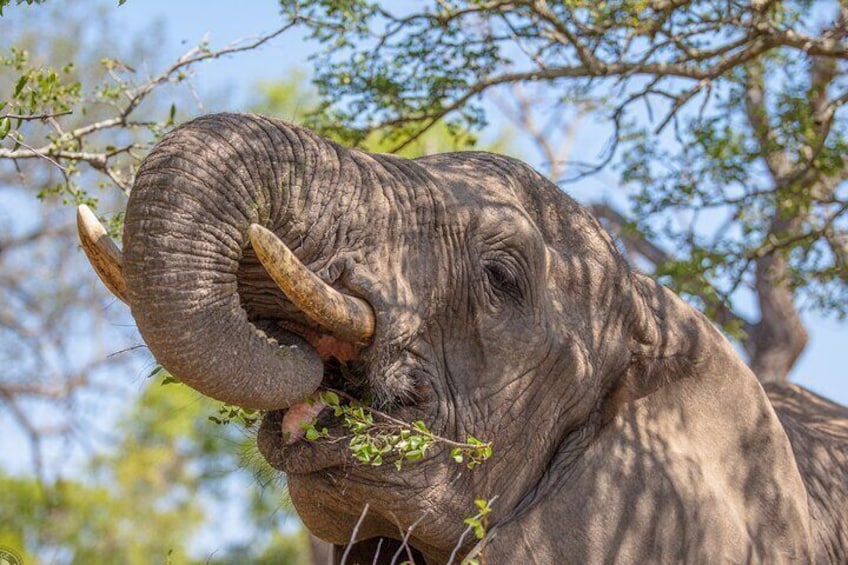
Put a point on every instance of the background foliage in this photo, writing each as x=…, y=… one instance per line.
x=725, y=131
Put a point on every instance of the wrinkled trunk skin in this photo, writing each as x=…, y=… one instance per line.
x=185, y=239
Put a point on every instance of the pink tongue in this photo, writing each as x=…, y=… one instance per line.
x=299, y=416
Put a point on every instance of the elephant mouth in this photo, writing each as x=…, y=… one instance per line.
x=284, y=439
x=312, y=434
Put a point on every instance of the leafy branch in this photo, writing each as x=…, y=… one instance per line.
x=376, y=435
x=479, y=524
x=42, y=97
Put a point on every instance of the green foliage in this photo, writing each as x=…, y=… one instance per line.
x=227, y=413
x=375, y=435
x=38, y=89
x=474, y=453
x=480, y=521
x=719, y=174
x=479, y=524
x=295, y=101
x=142, y=501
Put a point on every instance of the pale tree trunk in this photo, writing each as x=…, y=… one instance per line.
x=779, y=338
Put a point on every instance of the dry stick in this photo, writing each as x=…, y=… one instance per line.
x=404, y=543
x=458, y=545
x=377, y=553
x=354, y=532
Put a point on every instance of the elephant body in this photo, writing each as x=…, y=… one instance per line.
x=625, y=428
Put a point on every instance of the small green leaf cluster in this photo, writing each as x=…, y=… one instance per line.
x=479, y=524
x=39, y=89
x=227, y=413
x=373, y=440
x=369, y=448
x=480, y=521
x=472, y=454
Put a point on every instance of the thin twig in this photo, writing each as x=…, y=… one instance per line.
x=33, y=117
x=404, y=543
x=354, y=533
x=377, y=553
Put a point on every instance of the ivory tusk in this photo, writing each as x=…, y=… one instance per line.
x=105, y=257
x=347, y=317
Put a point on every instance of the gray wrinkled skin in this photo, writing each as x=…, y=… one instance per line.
x=625, y=427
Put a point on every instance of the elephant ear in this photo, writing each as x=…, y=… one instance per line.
x=671, y=342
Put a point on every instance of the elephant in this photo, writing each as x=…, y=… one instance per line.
x=264, y=264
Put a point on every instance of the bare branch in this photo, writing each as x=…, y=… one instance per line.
x=404, y=543
x=354, y=533
x=33, y=117
x=623, y=229
x=57, y=149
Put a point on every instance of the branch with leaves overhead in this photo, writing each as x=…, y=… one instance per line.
x=438, y=59
x=42, y=97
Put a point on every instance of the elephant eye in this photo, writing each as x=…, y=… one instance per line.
x=503, y=280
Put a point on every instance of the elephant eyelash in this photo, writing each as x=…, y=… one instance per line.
x=503, y=281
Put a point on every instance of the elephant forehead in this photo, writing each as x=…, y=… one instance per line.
x=472, y=177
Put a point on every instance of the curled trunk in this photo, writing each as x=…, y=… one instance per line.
x=186, y=232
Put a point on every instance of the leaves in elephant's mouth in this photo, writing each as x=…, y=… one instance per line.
x=374, y=436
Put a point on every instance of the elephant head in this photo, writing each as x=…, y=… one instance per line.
x=464, y=290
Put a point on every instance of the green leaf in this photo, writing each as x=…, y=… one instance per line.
x=5, y=126
x=414, y=455
x=21, y=84
x=420, y=426
x=330, y=398
x=169, y=380
x=312, y=434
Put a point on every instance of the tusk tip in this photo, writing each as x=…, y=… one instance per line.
x=105, y=257
x=264, y=242
x=258, y=233
x=88, y=224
